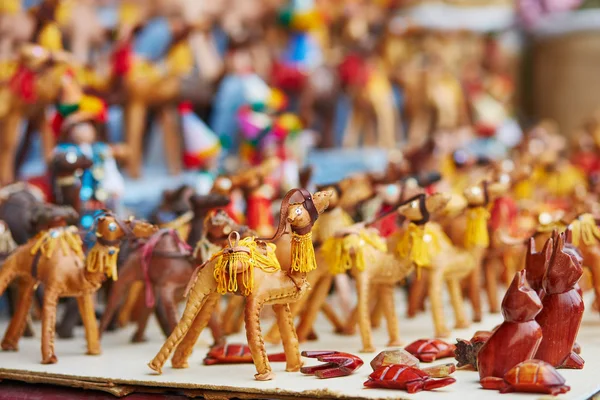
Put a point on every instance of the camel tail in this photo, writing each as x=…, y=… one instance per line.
x=194, y=304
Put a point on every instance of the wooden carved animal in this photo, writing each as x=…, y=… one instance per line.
x=321, y=279
x=531, y=376
x=435, y=259
x=562, y=310
x=55, y=258
x=430, y=350
x=261, y=281
x=404, y=377
x=518, y=337
x=32, y=88
x=470, y=231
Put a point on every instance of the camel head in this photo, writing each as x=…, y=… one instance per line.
x=485, y=192
x=355, y=190
x=218, y=224
x=301, y=215
x=419, y=209
x=222, y=185
x=336, y=193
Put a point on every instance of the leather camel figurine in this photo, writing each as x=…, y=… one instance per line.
x=55, y=258
x=250, y=268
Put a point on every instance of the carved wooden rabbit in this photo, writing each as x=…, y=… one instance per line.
x=519, y=336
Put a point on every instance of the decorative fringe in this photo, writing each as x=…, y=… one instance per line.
x=229, y=264
x=303, y=253
x=67, y=239
x=477, y=231
x=336, y=251
x=418, y=244
x=584, y=229
x=103, y=259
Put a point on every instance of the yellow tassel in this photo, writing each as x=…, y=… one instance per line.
x=180, y=60
x=99, y=260
x=228, y=264
x=477, y=232
x=584, y=229
x=50, y=37
x=303, y=253
x=523, y=190
x=64, y=238
x=419, y=244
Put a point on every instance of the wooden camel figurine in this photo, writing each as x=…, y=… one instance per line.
x=165, y=263
x=436, y=260
x=145, y=87
x=250, y=269
x=55, y=258
x=470, y=231
x=34, y=86
x=333, y=219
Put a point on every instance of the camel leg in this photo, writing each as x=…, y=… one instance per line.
x=126, y=311
x=239, y=321
x=311, y=309
x=352, y=132
x=435, y=279
x=13, y=301
x=350, y=326
x=120, y=289
x=66, y=327
x=48, y=326
x=214, y=324
x=285, y=321
x=377, y=313
x=386, y=121
x=415, y=295
x=491, y=282
x=135, y=122
x=7, y=273
x=332, y=317
x=203, y=288
x=88, y=316
x=8, y=147
x=254, y=305
x=171, y=139
x=167, y=295
x=142, y=323
x=19, y=318
x=364, y=321
x=228, y=319
x=457, y=303
x=475, y=284
x=47, y=136
x=386, y=296
x=594, y=265
x=186, y=346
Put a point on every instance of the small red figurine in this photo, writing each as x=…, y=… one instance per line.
x=532, y=376
x=428, y=350
x=336, y=364
x=467, y=350
x=563, y=308
x=404, y=377
x=536, y=265
x=519, y=336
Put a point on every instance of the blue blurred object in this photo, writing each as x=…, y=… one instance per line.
x=154, y=39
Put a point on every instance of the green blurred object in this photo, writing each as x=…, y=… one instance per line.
x=590, y=4
x=285, y=16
